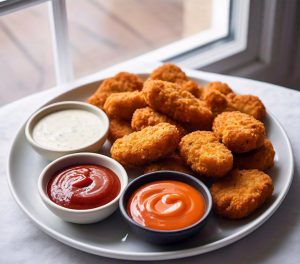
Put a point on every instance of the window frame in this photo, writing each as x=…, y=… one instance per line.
x=59, y=28
x=261, y=42
x=270, y=49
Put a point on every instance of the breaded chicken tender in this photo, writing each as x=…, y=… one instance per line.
x=205, y=154
x=239, y=132
x=118, y=129
x=240, y=193
x=248, y=104
x=145, y=146
x=172, y=73
x=173, y=162
x=261, y=158
x=223, y=88
x=123, y=105
x=146, y=116
x=122, y=82
x=181, y=106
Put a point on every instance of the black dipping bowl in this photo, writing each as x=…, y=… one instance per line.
x=165, y=236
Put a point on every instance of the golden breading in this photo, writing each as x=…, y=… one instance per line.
x=248, y=104
x=169, y=73
x=240, y=193
x=239, y=132
x=205, y=154
x=118, y=128
x=146, y=116
x=217, y=102
x=172, y=73
x=261, y=158
x=223, y=88
x=192, y=87
x=123, y=105
x=145, y=146
x=122, y=82
x=173, y=162
x=98, y=99
x=180, y=105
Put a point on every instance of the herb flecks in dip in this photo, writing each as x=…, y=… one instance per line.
x=67, y=129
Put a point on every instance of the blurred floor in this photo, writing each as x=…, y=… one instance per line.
x=102, y=33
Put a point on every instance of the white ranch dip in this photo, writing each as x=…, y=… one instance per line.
x=67, y=129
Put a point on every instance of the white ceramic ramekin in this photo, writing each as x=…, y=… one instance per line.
x=52, y=154
x=85, y=216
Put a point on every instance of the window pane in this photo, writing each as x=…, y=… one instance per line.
x=105, y=32
x=26, y=63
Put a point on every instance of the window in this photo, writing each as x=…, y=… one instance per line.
x=256, y=38
x=26, y=59
x=106, y=32
x=101, y=33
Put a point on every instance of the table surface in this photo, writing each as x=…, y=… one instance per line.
x=276, y=241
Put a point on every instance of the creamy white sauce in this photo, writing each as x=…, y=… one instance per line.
x=67, y=129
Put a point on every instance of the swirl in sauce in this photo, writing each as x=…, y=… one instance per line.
x=84, y=187
x=166, y=205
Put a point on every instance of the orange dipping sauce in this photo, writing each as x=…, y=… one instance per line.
x=166, y=205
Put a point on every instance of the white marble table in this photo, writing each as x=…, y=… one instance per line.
x=276, y=241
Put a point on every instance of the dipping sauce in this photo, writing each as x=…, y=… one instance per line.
x=84, y=187
x=166, y=205
x=67, y=129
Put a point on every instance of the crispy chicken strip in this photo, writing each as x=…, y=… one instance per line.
x=122, y=82
x=145, y=146
x=179, y=105
x=123, y=105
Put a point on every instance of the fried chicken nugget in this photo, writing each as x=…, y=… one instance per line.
x=180, y=105
x=168, y=72
x=261, y=158
x=118, y=128
x=223, y=88
x=146, y=116
x=239, y=132
x=123, y=105
x=98, y=99
x=122, y=82
x=192, y=87
x=248, y=104
x=217, y=102
x=173, y=162
x=172, y=73
x=240, y=193
x=205, y=154
x=145, y=146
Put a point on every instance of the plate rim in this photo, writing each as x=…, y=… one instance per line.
x=151, y=255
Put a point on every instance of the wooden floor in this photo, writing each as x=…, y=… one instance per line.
x=102, y=33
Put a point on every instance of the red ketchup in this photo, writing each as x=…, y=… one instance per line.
x=84, y=187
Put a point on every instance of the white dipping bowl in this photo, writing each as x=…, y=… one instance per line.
x=85, y=216
x=52, y=154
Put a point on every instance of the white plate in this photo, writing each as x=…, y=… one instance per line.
x=112, y=237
